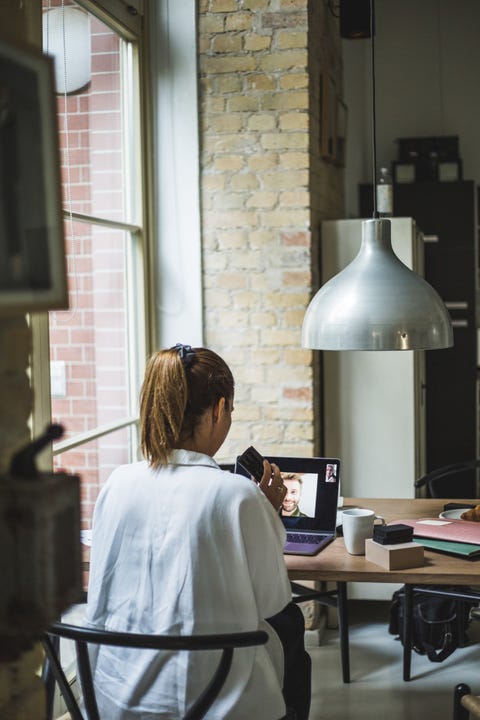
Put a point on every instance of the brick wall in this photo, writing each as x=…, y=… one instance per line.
x=264, y=190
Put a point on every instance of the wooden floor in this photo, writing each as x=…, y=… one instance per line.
x=376, y=689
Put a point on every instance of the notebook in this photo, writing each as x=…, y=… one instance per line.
x=446, y=529
x=309, y=510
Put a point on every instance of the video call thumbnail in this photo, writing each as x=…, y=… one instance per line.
x=301, y=497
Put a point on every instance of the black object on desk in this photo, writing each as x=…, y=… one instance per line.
x=392, y=534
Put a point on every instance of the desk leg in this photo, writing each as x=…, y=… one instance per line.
x=407, y=631
x=343, y=629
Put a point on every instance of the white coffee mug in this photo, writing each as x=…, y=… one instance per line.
x=357, y=527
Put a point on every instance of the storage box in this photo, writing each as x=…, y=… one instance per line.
x=394, y=557
x=395, y=534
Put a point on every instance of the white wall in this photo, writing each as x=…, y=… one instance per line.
x=427, y=60
x=178, y=263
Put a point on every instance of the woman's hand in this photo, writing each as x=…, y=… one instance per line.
x=272, y=485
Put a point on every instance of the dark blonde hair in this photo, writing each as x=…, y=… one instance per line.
x=175, y=395
x=292, y=476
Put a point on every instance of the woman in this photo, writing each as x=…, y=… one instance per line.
x=180, y=546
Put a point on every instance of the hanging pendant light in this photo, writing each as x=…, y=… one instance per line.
x=66, y=33
x=376, y=302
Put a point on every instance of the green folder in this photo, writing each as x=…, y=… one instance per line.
x=467, y=550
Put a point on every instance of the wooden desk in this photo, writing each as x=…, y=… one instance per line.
x=336, y=565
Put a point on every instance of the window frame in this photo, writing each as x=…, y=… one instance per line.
x=131, y=27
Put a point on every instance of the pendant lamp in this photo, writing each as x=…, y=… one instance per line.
x=376, y=302
x=66, y=32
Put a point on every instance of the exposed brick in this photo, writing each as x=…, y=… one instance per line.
x=272, y=160
x=285, y=218
x=244, y=181
x=260, y=81
x=217, y=298
x=294, y=318
x=301, y=279
x=231, y=281
x=213, y=182
x=260, y=238
x=214, y=105
x=284, y=300
x=226, y=43
x=203, y=44
x=292, y=4
x=284, y=141
x=256, y=4
x=284, y=20
x=286, y=60
x=239, y=21
x=242, y=103
x=228, y=84
x=298, y=198
x=226, y=123
x=294, y=121
x=211, y=23
x=281, y=180
x=228, y=64
x=295, y=160
x=254, y=43
x=261, y=122
x=289, y=414
x=245, y=260
x=300, y=393
x=238, y=142
x=293, y=81
x=216, y=6
x=229, y=162
x=263, y=199
x=263, y=319
x=231, y=219
x=265, y=161
x=285, y=101
x=289, y=39
x=247, y=300
x=231, y=239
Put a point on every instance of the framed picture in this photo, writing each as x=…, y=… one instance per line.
x=328, y=117
x=341, y=133
x=32, y=248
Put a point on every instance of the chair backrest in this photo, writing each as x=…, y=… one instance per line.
x=82, y=636
x=456, y=480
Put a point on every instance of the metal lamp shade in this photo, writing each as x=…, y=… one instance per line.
x=377, y=303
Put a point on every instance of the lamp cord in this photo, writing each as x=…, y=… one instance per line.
x=374, y=124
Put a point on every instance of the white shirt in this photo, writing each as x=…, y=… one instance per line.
x=186, y=549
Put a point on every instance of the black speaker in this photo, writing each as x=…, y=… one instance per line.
x=355, y=19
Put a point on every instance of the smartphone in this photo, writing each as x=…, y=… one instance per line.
x=252, y=462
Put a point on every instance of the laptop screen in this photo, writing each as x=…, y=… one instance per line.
x=312, y=492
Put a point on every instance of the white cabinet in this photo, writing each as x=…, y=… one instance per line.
x=374, y=409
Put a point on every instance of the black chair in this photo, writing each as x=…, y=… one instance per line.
x=456, y=480
x=82, y=636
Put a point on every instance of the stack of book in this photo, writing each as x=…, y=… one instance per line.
x=456, y=537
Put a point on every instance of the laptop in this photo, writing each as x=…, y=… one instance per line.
x=309, y=510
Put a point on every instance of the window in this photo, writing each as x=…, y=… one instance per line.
x=97, y=348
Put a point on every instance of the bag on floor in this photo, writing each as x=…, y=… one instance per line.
x=437, y=629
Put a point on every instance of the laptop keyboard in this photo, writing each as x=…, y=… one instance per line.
x=302, y=538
